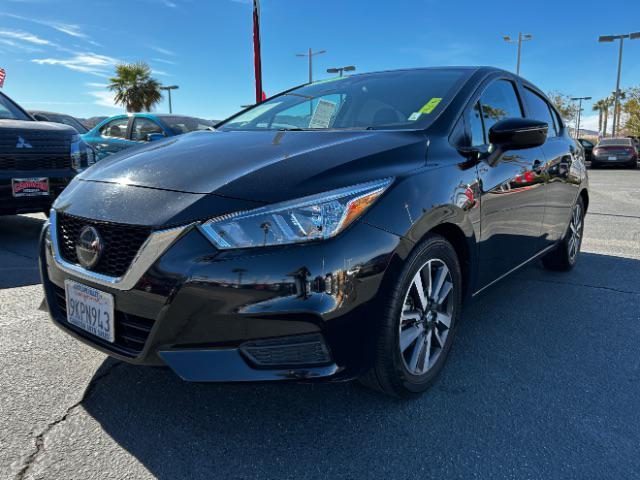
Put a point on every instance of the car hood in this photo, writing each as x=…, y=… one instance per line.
x=28, y=126
x=263, y=166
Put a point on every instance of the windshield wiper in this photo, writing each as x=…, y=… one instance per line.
x=291, y=129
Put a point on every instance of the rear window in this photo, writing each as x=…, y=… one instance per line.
x=623, y=142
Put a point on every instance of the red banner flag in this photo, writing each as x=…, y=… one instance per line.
x=3, y=74
x=257, y=60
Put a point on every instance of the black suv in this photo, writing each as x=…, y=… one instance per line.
x=37, y=160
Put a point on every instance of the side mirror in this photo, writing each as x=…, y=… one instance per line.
x=152, y=137
x=517, y=134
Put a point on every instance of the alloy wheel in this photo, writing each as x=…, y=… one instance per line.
x=575, y=232
x=426, y=317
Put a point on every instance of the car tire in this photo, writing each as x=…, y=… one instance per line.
x=565, y=255
x=416, y=330
x=633, y=164
x=594, y=165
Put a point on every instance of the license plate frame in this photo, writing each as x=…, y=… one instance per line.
x=612, y=158
x=30, y=187
x=90, y=309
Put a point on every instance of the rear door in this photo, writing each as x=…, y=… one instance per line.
x=562, y=177
x=512, y=190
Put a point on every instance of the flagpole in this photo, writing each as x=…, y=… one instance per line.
x=257, y=59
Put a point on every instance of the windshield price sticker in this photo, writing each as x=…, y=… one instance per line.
x=426, y=108
x=323, y=114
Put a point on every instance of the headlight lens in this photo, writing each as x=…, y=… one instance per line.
x=82, y=155
x=316, y=217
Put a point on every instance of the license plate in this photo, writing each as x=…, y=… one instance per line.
x=612, y=158
x=30, y=187
x=90, y=309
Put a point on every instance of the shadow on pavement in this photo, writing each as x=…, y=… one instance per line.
x=542, y=382
x=19, y=236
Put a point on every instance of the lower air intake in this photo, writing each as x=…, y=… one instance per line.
x=288, y=351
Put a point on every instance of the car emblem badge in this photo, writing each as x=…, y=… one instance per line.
x=89, y=247
x=22, y=144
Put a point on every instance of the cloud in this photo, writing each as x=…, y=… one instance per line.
x=163, y=51
x=20, y=46
x=164, y=60
x=104, y=99
x=589, y=122
x=26, y=37
x=100, y=65
x=70, y=29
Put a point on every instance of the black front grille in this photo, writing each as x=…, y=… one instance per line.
x=34, y=162
x=15, y=140
x=120, y=243
x=131, y=331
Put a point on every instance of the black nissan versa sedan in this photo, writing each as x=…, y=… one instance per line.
x=332, y=232
x=37, y=160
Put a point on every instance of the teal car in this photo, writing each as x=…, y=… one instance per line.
x=123, y=131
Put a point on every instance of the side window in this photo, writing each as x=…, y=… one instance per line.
x=476, y=128
x=499, y=101
x=539, y=110
x=115, y=128
x=143, y=127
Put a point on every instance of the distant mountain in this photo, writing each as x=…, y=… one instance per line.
x=91, y=121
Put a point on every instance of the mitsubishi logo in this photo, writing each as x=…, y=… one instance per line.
x=22, y=144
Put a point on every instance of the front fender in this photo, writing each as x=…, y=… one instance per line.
x=444, y=199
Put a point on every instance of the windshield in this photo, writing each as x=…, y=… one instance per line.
x=9, y=111
x=67, y=120
x=181, y=125
x=389, y=100
x=626, y=142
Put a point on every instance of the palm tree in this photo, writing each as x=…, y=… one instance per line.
x=599, y=107
x=134, y=88
x=606, y=105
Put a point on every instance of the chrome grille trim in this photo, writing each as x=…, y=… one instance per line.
x=156, y=244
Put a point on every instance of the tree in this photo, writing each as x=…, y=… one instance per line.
x=603, y=107
x=562, y=102
x=134, y=88
x=599, y=107
x=632, y=108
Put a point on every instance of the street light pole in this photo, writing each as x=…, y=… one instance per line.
x=168, y=89
x=522, y=37
x=616, y=102
x=579, y=99
x=340, y=70
x=310, y=54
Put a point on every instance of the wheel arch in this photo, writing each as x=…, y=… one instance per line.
x=584, y=194
x=453, y=224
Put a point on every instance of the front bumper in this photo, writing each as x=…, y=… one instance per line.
x=196, y=309
x=10, y=205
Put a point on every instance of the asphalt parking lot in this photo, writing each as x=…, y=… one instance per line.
x=543, y=382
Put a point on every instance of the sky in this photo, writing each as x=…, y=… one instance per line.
x=59, y=54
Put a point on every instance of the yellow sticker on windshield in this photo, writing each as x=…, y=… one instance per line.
x=430, y=105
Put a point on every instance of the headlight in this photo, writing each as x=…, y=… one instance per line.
x=316, y=217
x=82, y=155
